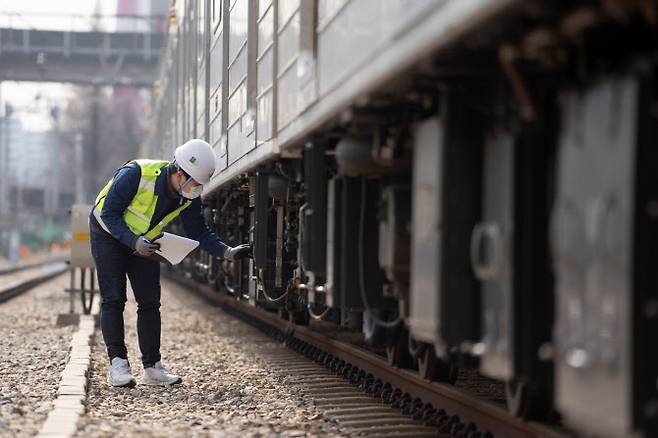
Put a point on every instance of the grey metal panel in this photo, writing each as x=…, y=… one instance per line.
x=201, y=30
x=263, y=6
x=333, y=243
x=296, y=72
x=246, y=163
x=216, y=93
x=288, y=103
x=237, y=72
x=241, y=122
x=445, y=295
x=192, y=45
x=215, y=134
x=216, y=15
x=265, y=27
x=327, y=10
x=286, y=10
x=306, y=63
x=216, y=62
x=216, y=103
x=201, y=125
x=238, y=25
x=426, y=235
x=265, y=123
x=184, y=80
x=591, y=237
x=288, y=41
x=359, y=30
x=492, y=256
x=258, y=185
x=438, y=28
x=204, y=72
x=226, y=31
x=176, y=86
x=313, y=244
x=265, y=72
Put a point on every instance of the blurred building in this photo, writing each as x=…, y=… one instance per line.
x=132, y=104
x=33, y=173
x=154, y=11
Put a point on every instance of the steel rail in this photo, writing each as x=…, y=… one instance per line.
x=486, y=416
x=23, y=266
x=24, y=286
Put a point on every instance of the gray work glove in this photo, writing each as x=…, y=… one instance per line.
x=145, y=247
x=238, y=252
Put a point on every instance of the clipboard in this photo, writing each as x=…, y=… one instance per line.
x=173, y=248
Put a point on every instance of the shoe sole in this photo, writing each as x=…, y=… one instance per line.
x=130, y=384
x=177, y=382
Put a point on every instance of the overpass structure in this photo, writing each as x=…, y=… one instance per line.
x=91, y=58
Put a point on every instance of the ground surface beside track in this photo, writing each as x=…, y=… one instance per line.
x=33, y=354
x=229, y=386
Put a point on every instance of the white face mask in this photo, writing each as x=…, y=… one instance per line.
x=194, y=192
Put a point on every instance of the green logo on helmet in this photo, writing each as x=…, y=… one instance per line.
x=192, y=159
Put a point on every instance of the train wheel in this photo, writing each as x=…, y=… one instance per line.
x=432, y=368
x=525, y=403
x=516, y=393
x=374, y=333
x=299, y=317
x=282, y=312
x=397, y=350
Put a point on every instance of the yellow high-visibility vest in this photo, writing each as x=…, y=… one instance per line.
x=139, y=213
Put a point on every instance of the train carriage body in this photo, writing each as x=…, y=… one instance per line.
x=465, y=183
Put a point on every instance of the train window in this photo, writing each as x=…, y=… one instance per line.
x=217, y=6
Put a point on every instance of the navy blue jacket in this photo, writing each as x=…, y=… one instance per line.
x=123, y=190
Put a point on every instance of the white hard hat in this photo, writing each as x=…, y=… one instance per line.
x=196, y=158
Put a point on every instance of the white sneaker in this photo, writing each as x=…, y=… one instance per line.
x=119, y=373
x=157, y=375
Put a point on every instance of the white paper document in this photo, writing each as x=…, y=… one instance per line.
x=175, y=248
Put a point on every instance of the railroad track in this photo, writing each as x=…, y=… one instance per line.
x=336, y=369
x=345, y=404
x=11, y=269
x=43, y=271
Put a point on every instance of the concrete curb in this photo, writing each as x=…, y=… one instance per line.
x=68, y=407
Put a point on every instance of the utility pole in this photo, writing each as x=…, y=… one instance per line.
x=79, y=170
x=13, y=236
x=4, y=177
x=52, y=204
x=94, y=146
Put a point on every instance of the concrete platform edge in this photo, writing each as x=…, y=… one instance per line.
x=69, y=405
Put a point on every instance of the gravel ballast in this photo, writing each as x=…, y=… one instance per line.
x=33, y=353
x=229, y=388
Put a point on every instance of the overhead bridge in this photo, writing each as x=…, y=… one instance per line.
x=92, y=58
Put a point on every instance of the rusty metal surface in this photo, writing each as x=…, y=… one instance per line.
x=470, y=409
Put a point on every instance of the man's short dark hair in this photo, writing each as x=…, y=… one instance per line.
x=174, y=167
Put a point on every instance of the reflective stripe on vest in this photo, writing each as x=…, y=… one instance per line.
x=140, y=212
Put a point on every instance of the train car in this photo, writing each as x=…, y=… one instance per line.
x=468, y=183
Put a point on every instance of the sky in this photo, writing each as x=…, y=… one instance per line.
x=51, y=15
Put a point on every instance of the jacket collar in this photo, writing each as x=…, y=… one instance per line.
x=171, y=192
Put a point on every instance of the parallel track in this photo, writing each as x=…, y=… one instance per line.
x=446, y=407
x=23, y=266
x=52, y=269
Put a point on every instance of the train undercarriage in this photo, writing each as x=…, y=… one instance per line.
x=493, y=209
